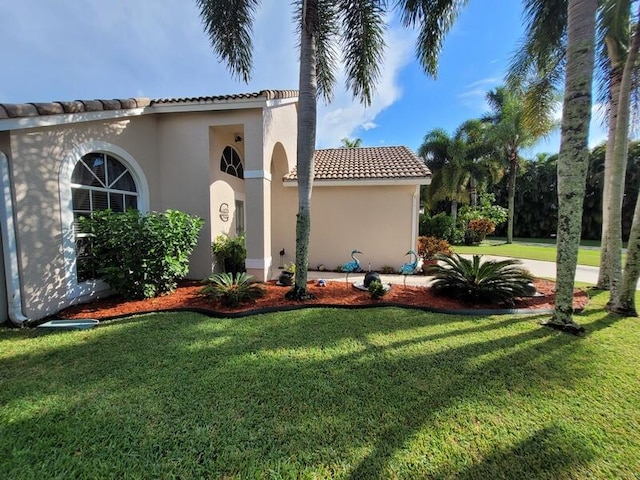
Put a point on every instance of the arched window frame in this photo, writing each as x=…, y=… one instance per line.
x=74, y=288
x=231, y=162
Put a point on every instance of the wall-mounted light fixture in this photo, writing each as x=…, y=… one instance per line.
x=281, y=259
x=238, y=138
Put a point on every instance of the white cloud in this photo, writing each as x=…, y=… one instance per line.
x=474, y=95
x=344, y=116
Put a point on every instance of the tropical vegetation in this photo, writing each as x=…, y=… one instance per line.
x=478, y=280
x=232, y=290
x=140, y=255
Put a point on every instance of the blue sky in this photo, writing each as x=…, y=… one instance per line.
x=70, y=49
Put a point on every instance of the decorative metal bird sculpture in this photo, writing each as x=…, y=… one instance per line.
x=352, y=266
x=411, y=267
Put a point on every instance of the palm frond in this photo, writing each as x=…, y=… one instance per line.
x=228, y=24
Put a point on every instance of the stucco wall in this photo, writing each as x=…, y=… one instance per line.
x=37, y=157
x=376, y=220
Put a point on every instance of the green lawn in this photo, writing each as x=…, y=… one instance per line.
x=518, y=249
x=323, y=393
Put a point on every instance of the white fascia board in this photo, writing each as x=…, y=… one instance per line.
x=364, y=183
x=67, y=118
x=281, y=101
x=207, y=106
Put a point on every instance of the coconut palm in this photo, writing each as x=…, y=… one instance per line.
x=356, y=29
x=349, y=143
x=511, y=130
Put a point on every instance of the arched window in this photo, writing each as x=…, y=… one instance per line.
x=99, y=181
x=230, y=163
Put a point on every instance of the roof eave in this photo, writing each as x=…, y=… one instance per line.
x=364, y=182
x=21, y=123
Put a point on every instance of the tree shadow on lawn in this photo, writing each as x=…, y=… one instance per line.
x=316, y=391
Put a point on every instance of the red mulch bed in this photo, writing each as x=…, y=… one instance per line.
x=335, y=293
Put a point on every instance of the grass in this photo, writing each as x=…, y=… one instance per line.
x=323, y=393
x=586, y=256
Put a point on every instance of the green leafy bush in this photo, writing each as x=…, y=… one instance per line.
x=388, y=269
x=230, y=252
x=439, y=226
x=232, y=290
x=141, y=255
x=476, y=281
x=377, y=290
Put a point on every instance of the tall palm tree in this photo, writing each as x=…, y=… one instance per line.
x=357, y=28
x=623, y=298
x=540, y=62
x=574, y=154
x=443, y=154
x=511, y=130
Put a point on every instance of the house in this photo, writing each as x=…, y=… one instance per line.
x=228, y=159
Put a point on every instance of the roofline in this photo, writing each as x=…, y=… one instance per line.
x=34, y=115
x=365, y=182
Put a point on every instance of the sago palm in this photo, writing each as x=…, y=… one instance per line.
x=474, y=280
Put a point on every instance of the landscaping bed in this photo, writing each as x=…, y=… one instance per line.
x=335, y=293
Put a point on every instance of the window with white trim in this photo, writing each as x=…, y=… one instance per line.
x=230, y=162
x=99, y=181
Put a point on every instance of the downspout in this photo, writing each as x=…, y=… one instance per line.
x=415, y=200
x=9, y=250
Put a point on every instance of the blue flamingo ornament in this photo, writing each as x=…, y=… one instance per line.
x=411, y=267
x=353, y=266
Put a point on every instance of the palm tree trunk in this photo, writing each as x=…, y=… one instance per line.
x=513, y=170
x=623, y=299
x=574, y=154
x=454, y=212
x=606, y=267
x=306, y=144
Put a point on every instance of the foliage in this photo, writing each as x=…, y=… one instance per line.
x=388, y=269
x=230, y=252
x=473, y=280
x=440, y=226
x=478, y=229
x=486, y=208
x=429, y=247
x=377, y=290
x=141, y=255
x=232, y=290
x=290, y=267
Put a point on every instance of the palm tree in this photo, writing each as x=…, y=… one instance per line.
x=441, y=153
x=574, y=154
x=511, y=130
x=623, y=298
x=348, y=143
x=540, y=62
x=358, y=29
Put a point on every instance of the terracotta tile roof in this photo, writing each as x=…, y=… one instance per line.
x=20, y=110
x=371, y=163
x=266, y=94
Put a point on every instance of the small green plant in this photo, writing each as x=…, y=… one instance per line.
x=290, y=267
x=230, y=252
x=388, y=270
x=473, y=280
x=377, y=290
x=232, y=290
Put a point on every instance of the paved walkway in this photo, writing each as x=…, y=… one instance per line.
x=537, y=267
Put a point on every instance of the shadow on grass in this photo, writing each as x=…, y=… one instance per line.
x=183, y=395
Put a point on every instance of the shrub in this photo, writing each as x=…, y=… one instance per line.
x=232, y=290
x=141, y=255
x=477, y=230
x=429, y=247
x=377, y=290
x=473, y=280
x=439, y=226
x=388, y=269
x=230, y=253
